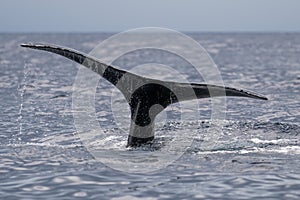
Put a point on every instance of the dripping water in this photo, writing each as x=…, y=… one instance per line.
x=22, y=90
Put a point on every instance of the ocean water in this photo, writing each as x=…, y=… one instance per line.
x=257, y=153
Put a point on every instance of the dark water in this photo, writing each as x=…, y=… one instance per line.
x=257, y=155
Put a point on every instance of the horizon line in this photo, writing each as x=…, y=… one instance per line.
x=113, y=32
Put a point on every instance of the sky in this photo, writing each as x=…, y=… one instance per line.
x=121, y=15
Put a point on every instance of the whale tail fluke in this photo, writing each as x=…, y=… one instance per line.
x=147, y=99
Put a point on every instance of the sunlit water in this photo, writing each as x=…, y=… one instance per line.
x=257, y=153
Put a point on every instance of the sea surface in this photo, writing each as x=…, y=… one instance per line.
x=256, y=154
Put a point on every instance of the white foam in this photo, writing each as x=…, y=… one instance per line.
x=278, y=141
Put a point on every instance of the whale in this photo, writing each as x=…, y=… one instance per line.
x=149, y=96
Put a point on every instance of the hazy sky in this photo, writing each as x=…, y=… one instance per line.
x=120, y=15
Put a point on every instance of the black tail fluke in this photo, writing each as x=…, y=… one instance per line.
x=149, y=96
